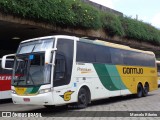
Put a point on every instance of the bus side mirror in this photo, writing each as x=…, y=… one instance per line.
x=3, y=63
x=48, y=55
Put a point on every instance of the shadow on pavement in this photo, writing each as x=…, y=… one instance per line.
x=5, y=101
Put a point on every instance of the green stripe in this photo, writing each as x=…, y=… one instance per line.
x=115, y=77
x=32, y=90
x=105, y=77
x=35, y=90
x=29, y=90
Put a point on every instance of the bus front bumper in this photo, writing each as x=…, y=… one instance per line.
x=40, y=99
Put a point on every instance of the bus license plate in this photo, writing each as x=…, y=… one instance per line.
x=26, y=99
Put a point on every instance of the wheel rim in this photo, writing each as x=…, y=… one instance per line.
x=83, y=98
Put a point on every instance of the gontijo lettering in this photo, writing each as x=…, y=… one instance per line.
x=128, y=70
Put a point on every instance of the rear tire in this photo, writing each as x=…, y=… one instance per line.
x=139, y=90
x=145, y=90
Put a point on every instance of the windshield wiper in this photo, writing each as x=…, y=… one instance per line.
x=31, y=78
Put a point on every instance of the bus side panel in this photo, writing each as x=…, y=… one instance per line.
x=132, y=75
x=110, y=80
x=5, y=94
x=115, y=80
x=105, y=80
x=5, y=86
x=86, y=73
x=5, y=82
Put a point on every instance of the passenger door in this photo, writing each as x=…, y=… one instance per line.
x=59, y=70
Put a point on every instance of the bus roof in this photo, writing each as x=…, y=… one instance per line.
x=48, y=37
x=98, y=42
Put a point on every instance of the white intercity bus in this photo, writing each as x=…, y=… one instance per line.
x=57, y=70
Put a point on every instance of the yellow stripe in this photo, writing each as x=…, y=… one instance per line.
x=20, y=90
x=131, y=79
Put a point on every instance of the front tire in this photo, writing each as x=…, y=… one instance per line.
x=83, y=98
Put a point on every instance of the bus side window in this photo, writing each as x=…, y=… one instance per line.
x=60, y=67
x=85, y=52
x=116, y=56
x=9, y=64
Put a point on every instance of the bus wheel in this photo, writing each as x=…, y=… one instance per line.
x=83, y=98
x=145, y=90
x=139, y=90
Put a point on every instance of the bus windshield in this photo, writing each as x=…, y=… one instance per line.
x=29, y=67
x=30, y=70
x=36, y=46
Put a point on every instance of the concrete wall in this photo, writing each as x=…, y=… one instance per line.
x=103, y=8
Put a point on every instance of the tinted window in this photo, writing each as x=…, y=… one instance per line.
x=102, y=54
x=59, y=71
x=150, y=59
x=138, y=59
x=116, y=56
x=65, y=47
x=91, y=53
x=9, y=64
x=85, y=52
x=38, y=60
x=131, y=58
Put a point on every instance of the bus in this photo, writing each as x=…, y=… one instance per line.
x=60, y=69
x=158, y=70
x=5, y=80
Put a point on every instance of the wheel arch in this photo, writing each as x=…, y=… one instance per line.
x=140, y=83
x=88, y=90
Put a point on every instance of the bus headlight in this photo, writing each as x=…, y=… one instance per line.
x=44, y=90
x=13, y=92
